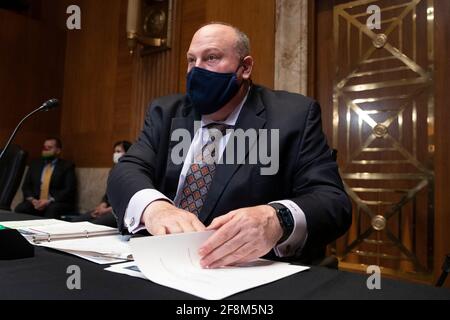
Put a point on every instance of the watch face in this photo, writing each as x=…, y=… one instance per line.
x=287, y=217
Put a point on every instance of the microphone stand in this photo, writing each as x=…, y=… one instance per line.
x=12, y=244
x=44, y=107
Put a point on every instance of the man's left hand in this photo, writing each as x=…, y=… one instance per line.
x=242, y=236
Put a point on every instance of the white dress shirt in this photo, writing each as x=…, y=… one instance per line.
x=142, y=199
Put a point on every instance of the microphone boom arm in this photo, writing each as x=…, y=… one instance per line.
x=44, y=107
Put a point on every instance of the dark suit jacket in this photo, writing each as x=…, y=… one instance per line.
x=62, y=185
x=308, y=175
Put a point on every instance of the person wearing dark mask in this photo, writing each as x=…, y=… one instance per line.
x=103, y=212
x=49, y=188
x=290, y=214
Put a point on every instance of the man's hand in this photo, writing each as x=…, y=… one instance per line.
x=161, y=218
x=101, y=210
x=41, y=205
x=242, y=236
x=34, y=202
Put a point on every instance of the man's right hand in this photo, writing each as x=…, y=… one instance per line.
x=162, y=218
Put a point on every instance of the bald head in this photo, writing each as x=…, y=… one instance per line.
x=215, y=43
x=241, y=40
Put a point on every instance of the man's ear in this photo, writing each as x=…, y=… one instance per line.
x=247, y=64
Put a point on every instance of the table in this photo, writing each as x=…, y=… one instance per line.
x=45, y=277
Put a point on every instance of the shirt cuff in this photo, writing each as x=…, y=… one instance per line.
x=136, y=207
x=297, y=239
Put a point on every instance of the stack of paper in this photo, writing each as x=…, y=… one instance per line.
x=173, y=261
x=31, y=223
x=99, y=244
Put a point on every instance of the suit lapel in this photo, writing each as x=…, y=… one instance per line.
x=173, y=171
x=251, y=117
x=37, y=176
x=56, y=169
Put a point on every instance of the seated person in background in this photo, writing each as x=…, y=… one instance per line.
x=49, y=188
x=102, y=214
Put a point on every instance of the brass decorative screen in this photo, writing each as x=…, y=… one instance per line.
x=384, y=129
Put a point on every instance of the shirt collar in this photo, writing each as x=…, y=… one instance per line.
x=53, y=162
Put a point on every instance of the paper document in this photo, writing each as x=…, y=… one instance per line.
x=31, y=223
x=96, y=243
x=100, y=250
x=61, y=231
x=173, y=261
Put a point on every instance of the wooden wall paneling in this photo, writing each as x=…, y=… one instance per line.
x=324, y=66
x=442, y=167
x=155, y=75
x=90, y=84
x=53, y=12
x=257, y=19
x=193, y=17
x=32, y=57
x=123, y=117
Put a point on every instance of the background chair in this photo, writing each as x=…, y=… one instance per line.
x=12, y=167
x=445, y=271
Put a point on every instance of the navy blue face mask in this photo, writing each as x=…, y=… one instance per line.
x=209, y=91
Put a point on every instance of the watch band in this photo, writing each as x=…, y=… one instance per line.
x=286, y=220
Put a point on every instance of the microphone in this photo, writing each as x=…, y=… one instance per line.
x=46, y=106
x=49, y=105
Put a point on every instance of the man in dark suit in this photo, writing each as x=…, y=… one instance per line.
x=292, y=213
x=49, y=188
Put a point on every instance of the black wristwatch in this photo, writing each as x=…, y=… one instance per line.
x=286, y=220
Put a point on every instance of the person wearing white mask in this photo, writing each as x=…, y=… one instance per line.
x=102, y=214
x=120, y=148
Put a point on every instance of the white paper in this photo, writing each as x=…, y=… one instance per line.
x=100, y=250
x=31, y=223
x=128, y=268
x=65, y=227
x=173, y=261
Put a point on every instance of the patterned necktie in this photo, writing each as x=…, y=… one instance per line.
x=201, y=173
x=45, y=185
